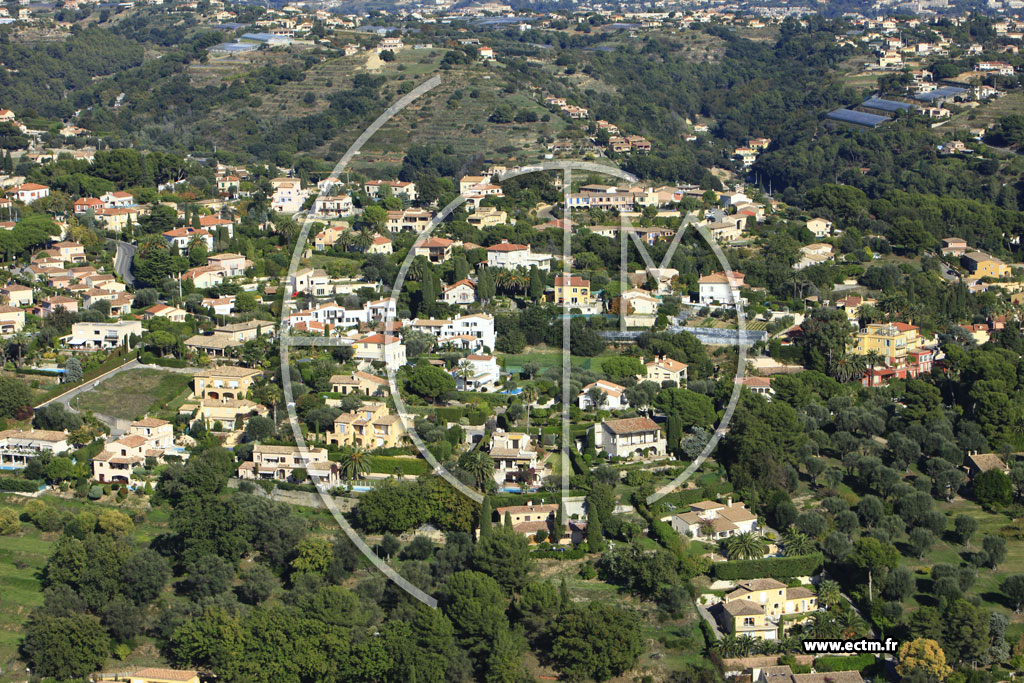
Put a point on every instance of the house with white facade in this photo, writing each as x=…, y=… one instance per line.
x=17, y=446
x=719, y=289
x=509, y=255
x=381, y=348
x=93, y=336
x=712, y=520
x=288, y=195
x=461, y=293
x=614, y=395
x=477, y=372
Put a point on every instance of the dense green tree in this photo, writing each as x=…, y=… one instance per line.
x=504, y=555
x=993, y=487
x=429, y=381
x=64, y=647
x=595, y=642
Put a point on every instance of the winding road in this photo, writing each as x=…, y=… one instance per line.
x=123, y=261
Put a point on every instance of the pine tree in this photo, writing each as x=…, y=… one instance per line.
x=595, y=535
x=485, y=518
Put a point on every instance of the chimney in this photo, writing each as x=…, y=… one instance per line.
x=529, y=503
x=728, y=502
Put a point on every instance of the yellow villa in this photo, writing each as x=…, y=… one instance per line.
x=892, y=341
x=755, y=606
x=572, y=290
x=982, y=265
x=370, y=426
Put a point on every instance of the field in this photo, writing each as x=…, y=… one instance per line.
x=988, y=114
x=130, y=395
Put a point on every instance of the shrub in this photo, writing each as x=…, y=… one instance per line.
x=18, y=485
x=96, y=492
x=9, y=522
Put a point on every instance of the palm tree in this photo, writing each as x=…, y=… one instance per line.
x=796, y=543
x=746, y=546
x=466, y=372
x=823, y=625
x=847, y=367
x=21, y=339
x=744, y=645
x=850, y=623
x=728, y=645
x=873, y=359
x=529, y=395
x=269, y=394
x=479, y=465
x=829, y=593
x=355, y=463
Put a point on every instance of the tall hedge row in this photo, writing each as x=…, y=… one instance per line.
x=768, y=567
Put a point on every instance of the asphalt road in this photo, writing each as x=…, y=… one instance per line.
x=123, y=261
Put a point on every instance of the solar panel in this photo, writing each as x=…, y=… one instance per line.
x=857, y=117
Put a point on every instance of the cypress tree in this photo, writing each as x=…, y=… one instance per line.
x=595, y=535
x=536, y=284
x=461, y=268
x=485, y=518
x=675, y=432
x=428, y=295
x=508, y=520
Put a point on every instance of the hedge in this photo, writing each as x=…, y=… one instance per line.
x=38, y=373
x=769, y=567
x=449, y=414
x=19, y=485
x=148, y=358
x=408, y=466
x=840, y=663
